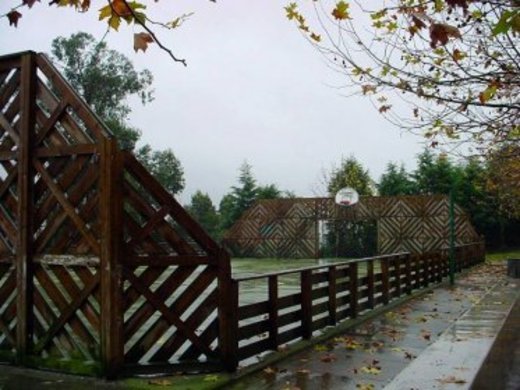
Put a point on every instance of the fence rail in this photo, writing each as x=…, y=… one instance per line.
x=330, y=294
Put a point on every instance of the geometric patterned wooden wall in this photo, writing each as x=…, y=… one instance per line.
x=288, y=228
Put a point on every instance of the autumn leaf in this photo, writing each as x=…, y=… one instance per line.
x=368, y=89
x=270, y=370
x=365, y=386
x=29, y=3
x=141, y=41
x=291, y=11
x=13, y=17
x=160, y=382
x=328, y=358
x=340, y=12
x=321, y=348
x=371, y=370
x=303, y=371
x=458, y=55
x=441, y=33
x=384, y=108
x=316, y=37
x=451, y=379
x=211, y=378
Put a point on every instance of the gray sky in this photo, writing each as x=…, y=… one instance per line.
x=254, y=89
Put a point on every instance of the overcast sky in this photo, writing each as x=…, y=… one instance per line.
x=253, y=90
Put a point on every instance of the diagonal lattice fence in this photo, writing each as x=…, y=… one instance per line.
x=101, y=270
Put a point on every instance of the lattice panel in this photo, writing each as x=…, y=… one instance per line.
x=7, y=307
x=170, y=312
x=66, y=312
x=286, y=227
x=9, y=138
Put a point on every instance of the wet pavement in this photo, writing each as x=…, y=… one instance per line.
x=438, y=341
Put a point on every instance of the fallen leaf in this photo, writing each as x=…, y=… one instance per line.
x=365, y=386
x=451, y=379
x=321, y=348
x=328, y=358
x=160, y=382
x=211, y=378
x=371, y=370
x=303, y=371
x=270, y=370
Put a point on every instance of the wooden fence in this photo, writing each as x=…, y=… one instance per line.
x=103, y=272
x=330, y=294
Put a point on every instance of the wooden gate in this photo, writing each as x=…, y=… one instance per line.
x=101, y=270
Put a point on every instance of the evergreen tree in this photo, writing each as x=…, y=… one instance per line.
x=395, y=181
x=203, y=211
x=344, y=238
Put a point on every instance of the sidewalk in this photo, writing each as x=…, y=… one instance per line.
x=438, y=341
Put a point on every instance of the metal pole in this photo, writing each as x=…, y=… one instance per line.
x=452, y=238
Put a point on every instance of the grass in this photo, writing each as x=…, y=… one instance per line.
x=503, y=255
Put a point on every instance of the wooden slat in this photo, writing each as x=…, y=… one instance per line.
x=168, y=314
x=253, y=349
x=194, y=321
x=147, y=340
x=66, y=315
x=272, y=291
x=64, y=151
x=332, y=295
x=24, y=247
x=253, y=310
x=254, y=329
x=177, y=211
x=164, y=261
x=69, y=209
x=306, y=290
x=353, y=289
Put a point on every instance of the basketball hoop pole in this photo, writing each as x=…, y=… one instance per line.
x=452, y=239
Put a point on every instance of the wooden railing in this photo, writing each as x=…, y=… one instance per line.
x=329, y=294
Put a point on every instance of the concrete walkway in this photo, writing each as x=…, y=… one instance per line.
x=436, y=341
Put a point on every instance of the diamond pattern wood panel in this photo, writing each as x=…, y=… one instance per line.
x=408, y=223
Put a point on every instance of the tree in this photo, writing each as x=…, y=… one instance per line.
x=113, y=13
x=202, y=209
x=105, y=78
x=396, y=181
x=350, y=174
x=454, y=63
x=164, y=166
x=437, y=174
x=240, y=198
x=270, y=191
x=345, y=238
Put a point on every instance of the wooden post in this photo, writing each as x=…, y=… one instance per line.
x=332, y=295
x=408, y=271
x=397, y=267
x=385, y=280
x=228, y=318
x=111, y=208
x=425, y=257
x=273, y=311
x=24, y=245
x=370, y=283
x=306, y=294
x=353, y=287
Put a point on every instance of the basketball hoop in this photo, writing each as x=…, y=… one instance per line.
x=346, y=197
